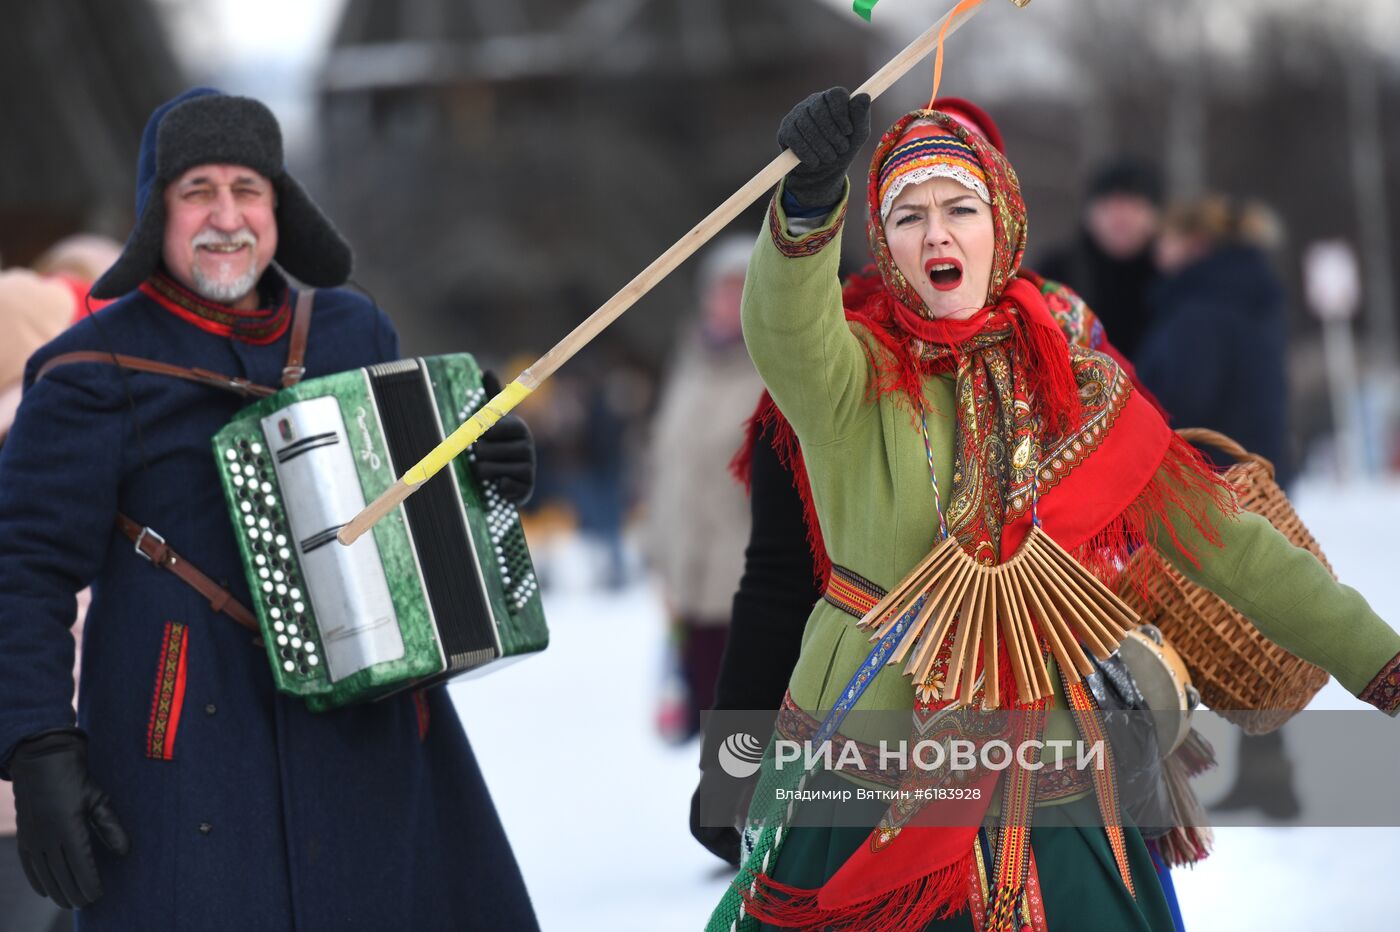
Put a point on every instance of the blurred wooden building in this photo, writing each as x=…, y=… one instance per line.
x=503, y=168
x=78, y=78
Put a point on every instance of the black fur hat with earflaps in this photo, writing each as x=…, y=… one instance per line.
x=204, y=126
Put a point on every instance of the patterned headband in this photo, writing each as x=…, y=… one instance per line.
x=929, y=151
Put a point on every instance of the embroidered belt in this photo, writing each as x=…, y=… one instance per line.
x=851, y=592
x=794, y=724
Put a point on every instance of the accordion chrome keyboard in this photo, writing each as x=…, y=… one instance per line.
x=277, y=576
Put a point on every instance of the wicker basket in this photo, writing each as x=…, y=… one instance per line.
x=1241, y=675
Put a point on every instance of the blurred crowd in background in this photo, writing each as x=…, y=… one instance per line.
x=1215, y=179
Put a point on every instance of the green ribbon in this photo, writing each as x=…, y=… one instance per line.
x=863, y=8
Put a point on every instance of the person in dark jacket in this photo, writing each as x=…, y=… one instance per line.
x=1215, y=355
x=189, y=793
x=1110, y=260
x=775, y=596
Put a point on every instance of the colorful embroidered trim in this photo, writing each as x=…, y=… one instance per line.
x=1383, y=691
x=762, y=842
x=851, y=592
x=929, y=151
x=1091, y=730
x=420, y=707
x=1012, y=862
x=866, y=673
x=808, y=245
x=169, y=696
x=977, y=900
x=1032, y=902
x=259, y=327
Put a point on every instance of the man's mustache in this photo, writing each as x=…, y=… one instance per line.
x=243, y=237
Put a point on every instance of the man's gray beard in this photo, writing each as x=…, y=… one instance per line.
x=224, y=293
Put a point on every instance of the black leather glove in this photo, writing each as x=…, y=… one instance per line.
x=720, y=840
x=505, y=454
x=58, y=807
x=826, y=131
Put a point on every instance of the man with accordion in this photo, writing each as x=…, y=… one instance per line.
x=191, y=792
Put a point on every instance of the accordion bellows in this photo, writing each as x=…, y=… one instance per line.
x=443, y=586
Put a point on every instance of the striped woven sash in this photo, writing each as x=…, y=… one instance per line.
x=851, y=592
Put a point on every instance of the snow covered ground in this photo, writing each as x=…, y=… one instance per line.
x=597, y=806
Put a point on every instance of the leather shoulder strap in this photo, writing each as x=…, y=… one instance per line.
x=202, y=376
x=301, y=326
x=153, y=547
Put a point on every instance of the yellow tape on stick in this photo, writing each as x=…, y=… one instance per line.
x=468, y=433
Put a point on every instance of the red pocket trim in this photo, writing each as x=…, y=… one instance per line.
x=420, y=705
x=169, y=695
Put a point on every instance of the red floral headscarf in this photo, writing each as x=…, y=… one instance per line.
x=1016, y=386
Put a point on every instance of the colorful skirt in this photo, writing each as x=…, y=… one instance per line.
x=1078, y=877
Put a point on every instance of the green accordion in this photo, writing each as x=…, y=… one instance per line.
x=443, y=586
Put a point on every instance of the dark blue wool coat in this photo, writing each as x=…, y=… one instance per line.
x=1216, y=353
x=267, y=816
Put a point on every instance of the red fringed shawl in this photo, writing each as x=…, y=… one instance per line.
x=868, y=304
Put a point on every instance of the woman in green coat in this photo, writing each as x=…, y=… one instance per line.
x=936, y=399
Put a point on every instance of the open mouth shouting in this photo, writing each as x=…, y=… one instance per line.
x=944, y=274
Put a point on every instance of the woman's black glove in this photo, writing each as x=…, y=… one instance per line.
x=1132, y=737
x=505, y=454
x=58, y=808
x=826, y=131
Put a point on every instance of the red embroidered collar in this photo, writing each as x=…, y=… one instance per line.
x=259, y=326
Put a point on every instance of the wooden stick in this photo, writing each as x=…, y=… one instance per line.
x=935, y=587
x=956, y=671
x=917, y=577
x=632, y=292
x=990, y=656
x=949, y=598
x=1096, y=632
x=911, y=634
x=1078, y=616
x=1011, y=636
x=1026, y=630
x=1101, y=604
x=972, y=617
x=1124, y=614
x=1066, y=652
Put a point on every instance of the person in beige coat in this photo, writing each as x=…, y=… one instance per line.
x=697, y=513
x=33, y=310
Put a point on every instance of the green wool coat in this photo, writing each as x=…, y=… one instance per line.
x=870, y=484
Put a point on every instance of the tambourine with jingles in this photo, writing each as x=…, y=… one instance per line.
x=1165, y=684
